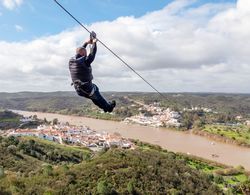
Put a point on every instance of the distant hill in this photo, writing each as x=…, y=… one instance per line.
x=4, y=95
x=70, y=103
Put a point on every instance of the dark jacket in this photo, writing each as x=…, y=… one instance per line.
x=80, y=66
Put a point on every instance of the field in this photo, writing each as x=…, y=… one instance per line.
x=239, y=133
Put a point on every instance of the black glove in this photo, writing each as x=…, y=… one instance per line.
x=92, y=35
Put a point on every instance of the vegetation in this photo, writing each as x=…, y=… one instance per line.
x=46, y=151
x=219, y=126
x=9, y=120
x=70, y=103
x=239, y=134
x=147, y=169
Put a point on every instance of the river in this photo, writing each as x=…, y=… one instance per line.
x=171, y=140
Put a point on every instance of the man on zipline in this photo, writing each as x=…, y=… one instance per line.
x=81, y=74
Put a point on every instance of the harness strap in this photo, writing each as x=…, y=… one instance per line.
x=78, y=84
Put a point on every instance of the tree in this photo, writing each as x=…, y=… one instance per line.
x=245, y=187
x=199, y=123
x=12, y=149
x=34, y=117
x=45, y=121
x=104, y=188
x=187, y=123
x=131, y=187
x=48, y=170
x=55, y=121
x=12, y=141
x=1, y=172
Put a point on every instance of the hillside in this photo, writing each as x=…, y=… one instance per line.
x=70, y=103
x=40, y=167
x=9, y=120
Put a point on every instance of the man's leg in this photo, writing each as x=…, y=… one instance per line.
x=101, y=102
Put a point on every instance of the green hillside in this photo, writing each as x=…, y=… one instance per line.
x=32, y=166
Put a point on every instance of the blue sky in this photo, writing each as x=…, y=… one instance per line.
x=177, y=45
x=40, y=18
x=37, y=18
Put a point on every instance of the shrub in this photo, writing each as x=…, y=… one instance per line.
x=1, y=172
x=131, y=187
x=228, y=172
x=48, y=170
x=218, y=179
x=104, y=188
x=12, y=149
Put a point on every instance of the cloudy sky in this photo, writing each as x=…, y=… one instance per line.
x=178, y=46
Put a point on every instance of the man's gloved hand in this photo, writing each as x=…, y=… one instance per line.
x=92, y=35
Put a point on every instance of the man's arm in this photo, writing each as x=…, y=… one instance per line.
x=90, y=58
x=83, y=59
x=86, y=43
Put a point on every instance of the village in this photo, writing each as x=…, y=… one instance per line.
x=73, y=135
x=153, y=115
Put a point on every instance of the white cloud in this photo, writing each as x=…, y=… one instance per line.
x=11, y=4
x=178, y=48
x=18, y=28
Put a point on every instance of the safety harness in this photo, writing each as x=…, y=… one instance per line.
x=78, y=84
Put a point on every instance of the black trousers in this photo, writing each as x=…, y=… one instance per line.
x=85, y=91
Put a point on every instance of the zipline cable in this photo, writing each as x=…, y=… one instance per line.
x=110, y=50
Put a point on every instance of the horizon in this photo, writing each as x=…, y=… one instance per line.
x=147, y=92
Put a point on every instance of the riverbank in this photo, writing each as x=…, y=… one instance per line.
x=219, y=138
x=171, y=140
x=237, y=134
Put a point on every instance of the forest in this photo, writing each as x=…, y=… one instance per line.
x=33, y=166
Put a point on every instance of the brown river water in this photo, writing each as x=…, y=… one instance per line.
x=171, y=140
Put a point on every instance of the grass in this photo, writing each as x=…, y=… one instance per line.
x=211, y=168
x=240, y=133
x=227, y=179
x=241, y=177
x=206, y=168
x=9, y=120
x=235, y=179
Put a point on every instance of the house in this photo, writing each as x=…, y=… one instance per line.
x=247, y=123
x=17, y=133
x=126, y=145
x=26, y=119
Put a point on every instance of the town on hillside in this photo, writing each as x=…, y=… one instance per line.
x=67, y=134
x=153, y=115
x=156, y=116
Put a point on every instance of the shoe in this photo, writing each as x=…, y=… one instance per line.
x=112, y=105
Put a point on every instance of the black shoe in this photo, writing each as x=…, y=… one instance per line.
x=112, y=105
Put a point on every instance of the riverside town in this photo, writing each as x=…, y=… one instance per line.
x=66, y=134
